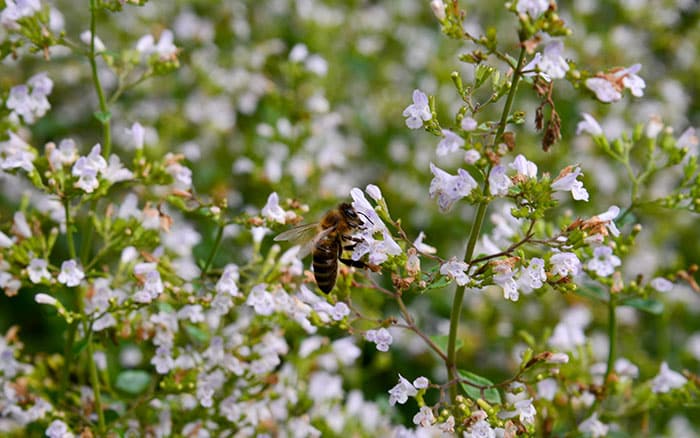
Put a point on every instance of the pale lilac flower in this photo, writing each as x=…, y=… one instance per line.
x=661, y=284
x=565, y=263
x=534, y=8
x=316, y=64
x=418, y=112
x=625, y=368
x=152, y=283
x=450, y=188
x=5, y=241
x=471, y=156
x=298, y=53
x=456, y=270
x=449, y=143
x=424, y=417
x=631, y=81
x=57, y=428
x=164, y=48
x=400, y=393
x=272, y=210
x=593, y=426
x=182, y=176
x=163, y=360
x=71, y=274
x=547, y=389
x=503, y=277
x=688, y=139
x=604, y=261
x=378, y=250
x=37, y=270
x=524, y=409
x=567, y=335
x=29, y=101
x=86, y=38
x=667, y=379
x=191, y=312
x=524, y=167
x=87, y=168
x=228, y=283
x=381, y=337
x=17, y=9
x=115, y=171
x=438, y=7
x=551, y=64
x=15, y=153
x=261, y=300
x=374, y=192
x=603, y=89
x=422, y=247
x=499, y=182
x=533, y=276
x=340, y=311
x=468, y=124
x=137, y=134
x=42, y=298
x=421, y=382
x=589, y=125
x=568, y=183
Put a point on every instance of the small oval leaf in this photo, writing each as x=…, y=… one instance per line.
x=645, y=304
x=133, y=381
x=491, y=395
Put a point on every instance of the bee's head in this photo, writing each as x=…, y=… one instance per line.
x=350, y=214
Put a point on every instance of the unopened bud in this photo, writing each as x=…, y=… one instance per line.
x=438, y=8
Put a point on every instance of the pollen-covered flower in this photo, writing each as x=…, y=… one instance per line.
x=567, y=182
x=450, y=188
x=450, y=142
x=418, y=112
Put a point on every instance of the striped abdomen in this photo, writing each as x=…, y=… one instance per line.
x=325, y=262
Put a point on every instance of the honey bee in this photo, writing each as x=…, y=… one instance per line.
x=326, y=240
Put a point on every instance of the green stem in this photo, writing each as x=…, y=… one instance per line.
x=95, y=382
x=612, y=336
x=68, y=356
x=69, y=229
x=456, y=312
x=104, y=116
x=212, y=254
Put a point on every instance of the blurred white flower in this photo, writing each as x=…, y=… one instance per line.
x=272, y=210
x=594, y=427
x=604, y=261
x=38, y=270
x=164, y=48
x=667, y=379
x=17, y=9
x=57, y=428
x=588, y=125
x=71, y=274
x=450, y=142
x=604, y=90
x=86, y=38
x=42, y=298
x=661, y=284
x=30, y=101
x=533, y=276
x=15, y=153
x=468, y=124
x=534, y=8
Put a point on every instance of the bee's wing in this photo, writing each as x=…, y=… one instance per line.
x=305, y=236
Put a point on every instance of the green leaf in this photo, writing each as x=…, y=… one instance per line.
x=442, y=340
x=491, y=395
x=133, y=381
x=439, y=283
x=197, y=334
x=645, y=304
x=592, y=292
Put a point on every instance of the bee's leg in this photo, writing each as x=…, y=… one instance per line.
x=354, y=263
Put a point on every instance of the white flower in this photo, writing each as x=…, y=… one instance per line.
x=524, y=167
x=65, y=154
x=419, y=111
x=456, y=270
x=272, y=210
x=424, y=417
x=71, y=274
x=589, y=125
x=115, y=171
x=567, y=182
x=298, y=53
x=15, y=153
x=182, y=176
x=152, y=283
x=137, y=134
x=86, y=37
x=378, y=250
x=21, y=226
x=438, y=7
x=667, y=379
x=499, y=182
x=449, y=143
x=565, y=263
x=608, y=217
x=29, y=101
x=400, y=393
x=374, y=192
x=448, y=426
x=547, y=388
x=688, y=139
x=261, y=300
x=42, y=298
x=661, y=284
x=163, y=360
x=381, y=337
x=37, y=270
x=87, y=168
x=567, y=336
x=227, y=284
x=654, y=127
x=594, y=427
x=604, y=90
x=57, y=428
x=468, y=124
x=532, y=277
x=471, y=156
x=450, y=188
x=164, y=48
x=17, y=9
x=551, y=65
x=604, y=261
x=631, y=81
x=422, y=247
x=340, y=311
x=480, y=429
x=503, y=277
x=534, y=8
